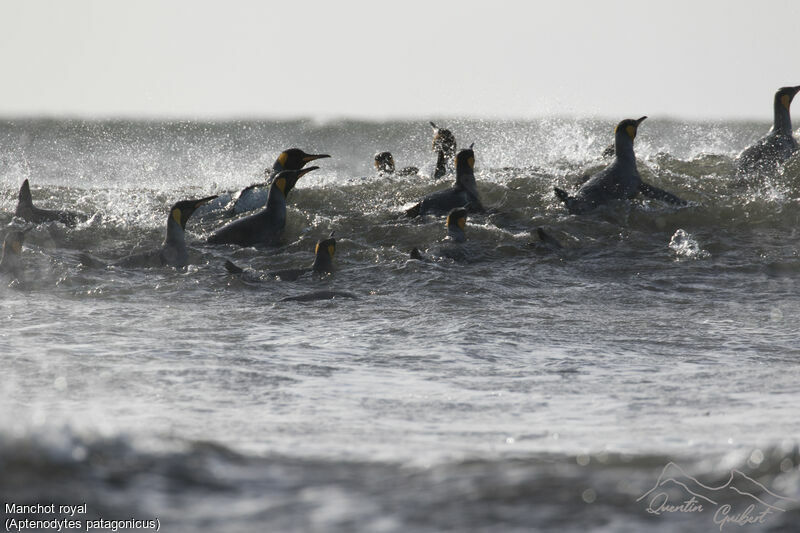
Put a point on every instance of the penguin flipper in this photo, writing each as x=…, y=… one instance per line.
x=407, y=171
x=414, y=211
x=564, y=197
x=574, y=205
x=562, y=194
x=232, y=268
x=25, y=199
x=547, y=239
x=660, y=194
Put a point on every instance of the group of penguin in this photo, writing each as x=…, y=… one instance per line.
x=620, y=180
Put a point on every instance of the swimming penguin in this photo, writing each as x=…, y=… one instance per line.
x=464, y=193
x=265, y=228
x=384, y=163
x=444, y=144
x=10, y=262
x=316, y=296
x=255, y=196
x=173, y=251
x=323, y=264
x=778, y=145
x=618, y=181
x=456, y=221
x=451, y=247
x=26, y=210
x=546, y=241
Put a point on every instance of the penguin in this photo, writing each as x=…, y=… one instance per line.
x=618, y=181
x=173, y=251
x=778, y=145
x=384, y=164
x=444, y=144
x=464, y=192
x=451, y=247
x=264, y=228
x=322, y=265
x=10, y=261
x=316, y=296
x=546, y=242
x=255, y=196
x=27, y=211
x=456, y=221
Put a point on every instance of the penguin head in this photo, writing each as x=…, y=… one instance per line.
x=465, y=160
x=384, y=162
x=456, y=222
x=12, y=244
x=287, y=179
x=443, y=140
x=323, y=255
x=627, y=128
x=181, y=211
x=785, y=95
x=294, y=159
x=326, y=247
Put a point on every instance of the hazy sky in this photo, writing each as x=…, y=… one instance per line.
x=339, y=58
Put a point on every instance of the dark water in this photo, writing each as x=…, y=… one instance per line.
x=514, y=389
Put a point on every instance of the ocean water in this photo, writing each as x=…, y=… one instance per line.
x=514, y=388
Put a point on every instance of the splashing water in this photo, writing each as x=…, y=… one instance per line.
x=685, y=246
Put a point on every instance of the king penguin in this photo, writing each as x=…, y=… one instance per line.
x=464, y=193
x=451, y=247
x=265, y=228
x=173, y=251
x=322, y=265
x=778, y=145
x=255, y=196
x=10, y=262
x=456, y=221
x=384, y=164
x=27, y=211
x=618, y=181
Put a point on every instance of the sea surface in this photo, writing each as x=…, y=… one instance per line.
x=509, y=387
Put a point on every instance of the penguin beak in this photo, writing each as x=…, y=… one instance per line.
x=203, y=201
x=311, y=157
x=433, y=126
x=639, y=121
x=303, y=172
